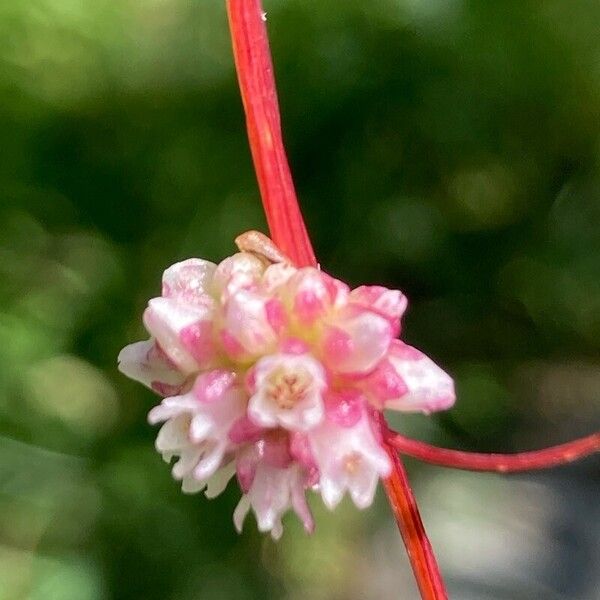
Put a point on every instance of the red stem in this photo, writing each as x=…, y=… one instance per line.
x=406, y=511
x=257, y=84
x=259, y=95
x=503, y=463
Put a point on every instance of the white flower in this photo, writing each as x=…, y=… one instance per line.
x=349, y=459
x=287, y=392
x=197, y=425
x=273, y=491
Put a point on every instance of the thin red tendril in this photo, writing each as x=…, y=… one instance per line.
x=502, y=463
x=259, y=95
x=406, y=511
x=257, y=85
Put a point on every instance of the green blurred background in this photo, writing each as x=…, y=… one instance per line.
x=450, y=148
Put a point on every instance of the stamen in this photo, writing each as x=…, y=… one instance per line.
x=287, y=389
x=352, y=463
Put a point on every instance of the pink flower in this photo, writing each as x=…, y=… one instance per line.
x=349, y=459
x=287, y=392
x=273, y=373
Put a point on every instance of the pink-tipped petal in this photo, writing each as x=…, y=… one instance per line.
x=338, y=347
x=276, y=315
x=428, y=387
x=232, y=348
x=390, y=304
x=167, y=320
x=310, y=296
x=356, y=343
x=147, y=363
x=198, y=340
x=384, y=384
x=293, y=346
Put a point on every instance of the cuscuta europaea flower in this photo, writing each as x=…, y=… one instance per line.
x=275, y=374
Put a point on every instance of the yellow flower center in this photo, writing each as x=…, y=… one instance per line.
x=352, y=462
x=285, y=389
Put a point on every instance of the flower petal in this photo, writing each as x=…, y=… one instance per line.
x=273, y=491
x=428, y=387
x=147, y=363
x=364, y=486
x=173, y=434
x=345, y=407
x=390, y=304
x=240, y=271
x=349, y=458
x=356, y=343
x=189, y=280
x=213, y=486
x=310, y=295
x=246, y=321
x=216, y=484
x=183, y=331
x=241, y=511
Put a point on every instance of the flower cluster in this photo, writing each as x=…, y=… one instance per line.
x=275, y=374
